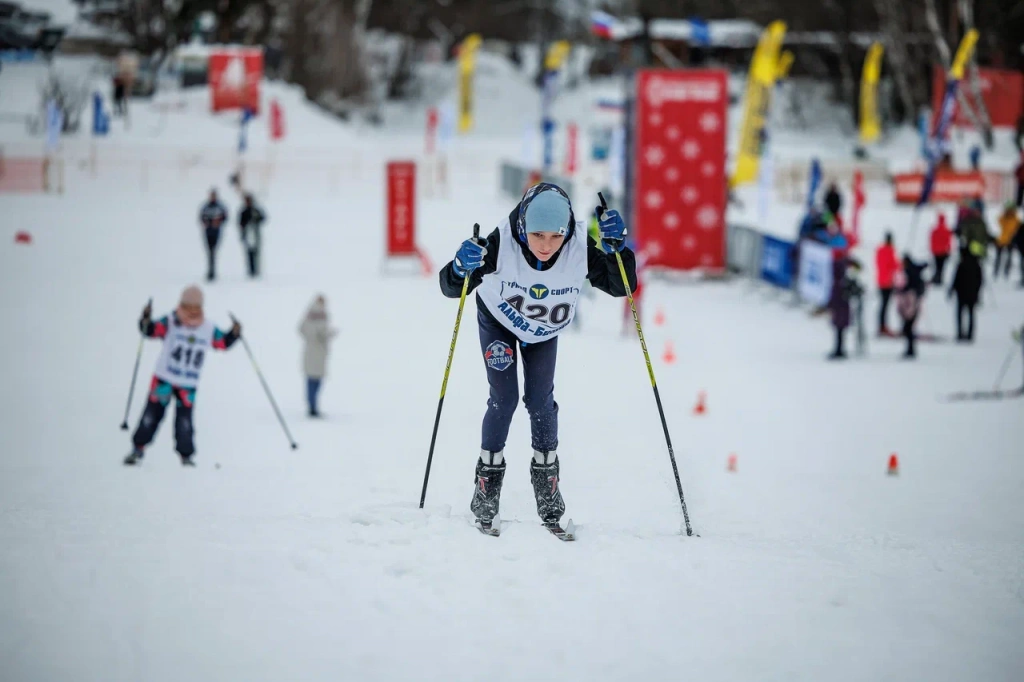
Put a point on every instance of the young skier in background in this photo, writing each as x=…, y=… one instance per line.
x=212, y=216
x=528, y=275
x=187, y=338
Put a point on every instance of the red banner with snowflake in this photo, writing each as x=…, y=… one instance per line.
x=679, y=182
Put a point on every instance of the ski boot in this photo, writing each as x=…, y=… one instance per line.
x=134, y=457
x=186, y=461
x=490, y=472
x=544, y=474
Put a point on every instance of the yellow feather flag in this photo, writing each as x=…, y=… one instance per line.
x=467, y=65
x=870, y=125
x=764, y=69
x=556, y=55
x=963, y=54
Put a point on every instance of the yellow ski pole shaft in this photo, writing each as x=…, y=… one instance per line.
x=135, y=374
x=447, y=371
x=654, y=383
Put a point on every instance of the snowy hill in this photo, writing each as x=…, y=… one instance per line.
x=269, y=564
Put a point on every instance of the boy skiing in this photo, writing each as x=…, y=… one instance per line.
x=528, y=275
x=187, y=336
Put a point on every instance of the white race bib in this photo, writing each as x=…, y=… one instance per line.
x=535, y=305
x=184, y=353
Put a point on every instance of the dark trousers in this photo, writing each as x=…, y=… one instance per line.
x=1000, y=252
x=254, y=261
x=840, y=333
x=908, y=333
x=312, y=392
x=940, y=266
x=160, y=394
x=961, y=307
x=502, y=351
x=251, y=240
x=1020, y=194
x=884, y=311
x=212, y=239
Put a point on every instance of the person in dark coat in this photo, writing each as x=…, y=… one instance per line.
x=212, y=216
x=1018, y=242
x=910, y=291
x=839, y=306
x=250, y=222
x=833, y=200
x=967, y=284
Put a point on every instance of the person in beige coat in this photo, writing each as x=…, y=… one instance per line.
x=318, y=334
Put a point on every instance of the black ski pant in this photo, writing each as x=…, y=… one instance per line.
x=502, y=351
x=884, y=311
x=940, y=266
x=160, y=395
x=212, y=239
x=908, y=333
x=962, y=307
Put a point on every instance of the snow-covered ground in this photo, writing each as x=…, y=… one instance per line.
x=317, y=565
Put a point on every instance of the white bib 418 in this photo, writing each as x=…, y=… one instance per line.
x=184, y=352
x=535, y=305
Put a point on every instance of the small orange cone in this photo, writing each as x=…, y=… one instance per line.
x=669, y=356
x=22, y=238
x=700, y=407
x=731, y=466
x=659, y=317
x=894, y=465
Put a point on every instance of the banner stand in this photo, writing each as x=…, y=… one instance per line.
x=400, y=246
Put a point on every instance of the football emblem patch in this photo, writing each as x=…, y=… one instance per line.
x=499, y=355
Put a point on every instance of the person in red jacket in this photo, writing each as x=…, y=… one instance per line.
x=887, y=264
x=942, y=238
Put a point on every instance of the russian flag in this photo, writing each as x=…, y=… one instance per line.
x=937, y=143
x=601, y=24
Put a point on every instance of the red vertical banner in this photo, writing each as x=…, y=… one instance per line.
x=401, y=208
x=572, y=135
x=235, y=79
x=679, y=182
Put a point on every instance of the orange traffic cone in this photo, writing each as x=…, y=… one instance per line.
x=659, y=317
x=669, y=356
x=700, y=407
x=22, y=238
x=894, y=465
x=731, y=466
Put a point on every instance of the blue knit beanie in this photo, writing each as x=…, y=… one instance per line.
x=545, y=208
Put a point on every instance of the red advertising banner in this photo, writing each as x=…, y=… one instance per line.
x=679, y=183
x=235, y=79
x=401, y=208
x=1001, y=89
x=949, y=187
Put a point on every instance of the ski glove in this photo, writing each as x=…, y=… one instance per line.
x=470, y=256
x=613, y=229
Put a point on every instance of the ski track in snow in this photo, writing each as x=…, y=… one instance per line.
x=316, y=564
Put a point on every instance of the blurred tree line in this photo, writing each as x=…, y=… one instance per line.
x=322, y=44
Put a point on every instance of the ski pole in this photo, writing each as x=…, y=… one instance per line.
x=447, y=369
x=135, y=373
x=654, y=384
x=1006, y=366
x=266, y=388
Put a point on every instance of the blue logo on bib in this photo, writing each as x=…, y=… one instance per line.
x=499, y=355
x=538, y=292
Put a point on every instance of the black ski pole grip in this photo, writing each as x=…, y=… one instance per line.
x=476, y=232
x=604, y=204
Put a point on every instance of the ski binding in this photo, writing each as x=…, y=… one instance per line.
x=567, y=534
